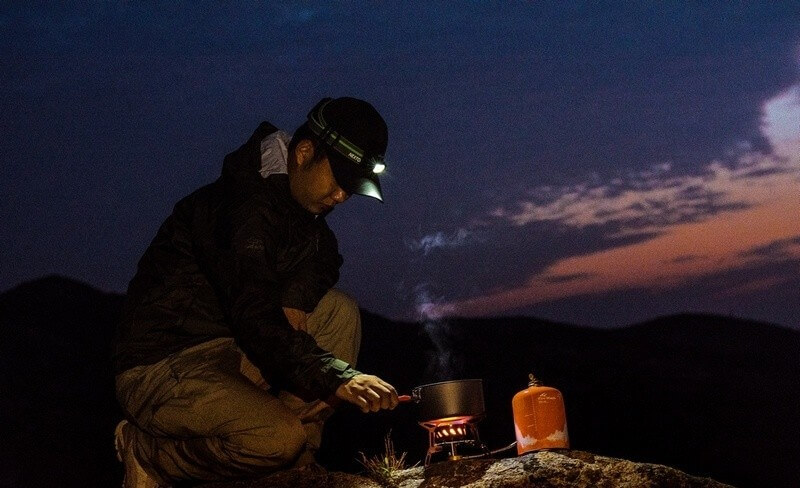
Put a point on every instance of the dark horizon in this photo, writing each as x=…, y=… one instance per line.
x=632, y=393
x=61, y=280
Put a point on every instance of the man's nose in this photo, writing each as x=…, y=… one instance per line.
x=340, y=195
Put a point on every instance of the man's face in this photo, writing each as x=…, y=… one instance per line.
x=312, y=183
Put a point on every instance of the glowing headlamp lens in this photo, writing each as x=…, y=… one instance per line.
x=378, y=168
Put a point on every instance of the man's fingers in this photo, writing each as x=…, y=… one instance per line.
x=374, y=400
x=367, y=401
x=386, y=385
x=385, y=396
x=363, y=404
x=378, y=397
x=391, y=395
x=370, y=393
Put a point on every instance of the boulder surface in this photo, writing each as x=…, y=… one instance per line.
x=547, y=469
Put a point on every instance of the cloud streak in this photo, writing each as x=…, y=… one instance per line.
x=652, y=201
x=441, y=240
x=730, y=215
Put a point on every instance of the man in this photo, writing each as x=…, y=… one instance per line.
x=233, y=343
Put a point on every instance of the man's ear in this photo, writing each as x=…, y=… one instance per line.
x=303, y=152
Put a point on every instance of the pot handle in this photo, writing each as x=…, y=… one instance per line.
x=416, y=394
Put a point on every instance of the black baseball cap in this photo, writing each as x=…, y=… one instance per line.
x=357, y=136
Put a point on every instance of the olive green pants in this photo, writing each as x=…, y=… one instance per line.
x=205, y=413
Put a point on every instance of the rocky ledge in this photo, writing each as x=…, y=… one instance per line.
x=547, y=469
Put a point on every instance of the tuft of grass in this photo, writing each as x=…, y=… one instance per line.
x=384, y=468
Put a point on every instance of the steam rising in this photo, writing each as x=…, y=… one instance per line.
x=444, y=363
x=440, y=240
x=429, y=307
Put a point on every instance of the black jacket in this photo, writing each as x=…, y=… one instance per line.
x=230, y=256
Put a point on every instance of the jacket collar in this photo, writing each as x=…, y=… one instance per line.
x=244, y=165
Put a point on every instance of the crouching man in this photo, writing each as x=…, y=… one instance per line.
x=233, y=342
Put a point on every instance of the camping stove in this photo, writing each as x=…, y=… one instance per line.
x=452, y=438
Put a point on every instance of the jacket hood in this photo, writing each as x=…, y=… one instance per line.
x=274, y=154
x=260, y=164
x=262, y=155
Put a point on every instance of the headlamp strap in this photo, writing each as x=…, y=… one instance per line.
x=326, y=133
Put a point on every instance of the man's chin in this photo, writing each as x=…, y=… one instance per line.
x=320, y=209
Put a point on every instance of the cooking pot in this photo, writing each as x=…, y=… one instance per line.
x=457, y=398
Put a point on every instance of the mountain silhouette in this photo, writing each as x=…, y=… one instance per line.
x=713, y=396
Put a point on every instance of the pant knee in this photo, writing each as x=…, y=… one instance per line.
x=336, y=314
x=335, y=324
x=267, y=449
x=293, y=442
x=344, y=306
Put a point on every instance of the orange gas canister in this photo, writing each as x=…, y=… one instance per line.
x=539, y=418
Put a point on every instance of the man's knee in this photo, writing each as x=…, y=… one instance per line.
x=336, y=325
x=345, y=308
x=263, y=450
x=336, y=314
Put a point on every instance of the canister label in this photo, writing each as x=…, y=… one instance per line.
x=539, y=419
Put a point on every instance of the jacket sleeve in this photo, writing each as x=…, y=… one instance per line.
x=250, y=291
x=306, y=286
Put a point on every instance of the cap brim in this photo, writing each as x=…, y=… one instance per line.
x=355, y=181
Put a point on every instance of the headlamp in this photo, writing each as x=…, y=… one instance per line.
x=316, y=122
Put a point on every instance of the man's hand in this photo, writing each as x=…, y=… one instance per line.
x=369, y=393
x=297, y=318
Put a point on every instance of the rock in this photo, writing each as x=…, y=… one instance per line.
x=545, y=469
x=549, y=469
x=311, y=476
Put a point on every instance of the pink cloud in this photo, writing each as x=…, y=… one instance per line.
x=721, y=214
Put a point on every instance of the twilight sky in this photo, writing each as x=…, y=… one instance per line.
x=595, y=164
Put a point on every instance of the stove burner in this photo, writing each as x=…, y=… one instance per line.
x=452, y=435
